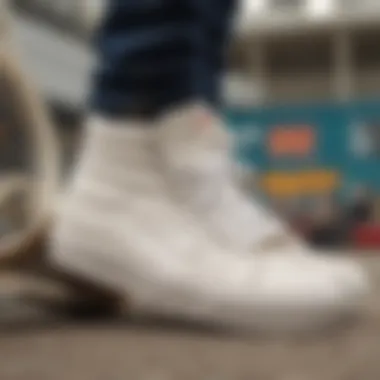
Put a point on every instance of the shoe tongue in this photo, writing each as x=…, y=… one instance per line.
x=195, y=127
x=194, y=139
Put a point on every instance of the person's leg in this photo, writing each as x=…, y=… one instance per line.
x=151, y=57
x=121, y=224
x=217, y=18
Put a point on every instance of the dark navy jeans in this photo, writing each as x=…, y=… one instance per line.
x=154, y=54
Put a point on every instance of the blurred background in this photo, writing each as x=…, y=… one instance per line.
x=301, y=94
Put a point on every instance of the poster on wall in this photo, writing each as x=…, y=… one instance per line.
x=365, y=139
x=296, y=141
x=322, y=171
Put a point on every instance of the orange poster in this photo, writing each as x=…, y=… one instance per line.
x=291, y=140
x=285, y=184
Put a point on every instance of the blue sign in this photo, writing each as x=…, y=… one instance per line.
x=346, y=139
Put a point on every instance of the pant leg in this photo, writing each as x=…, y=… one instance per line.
x=155, y=53
x=148, y=57
x=216, y=19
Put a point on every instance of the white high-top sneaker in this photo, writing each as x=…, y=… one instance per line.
x=119, y=228
x=196, y=151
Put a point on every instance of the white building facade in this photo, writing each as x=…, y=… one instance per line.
x=307, y=50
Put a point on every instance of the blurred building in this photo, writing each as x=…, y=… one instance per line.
x=77, y=16
x=309, y=50
x=303, y=97
x=52, y=37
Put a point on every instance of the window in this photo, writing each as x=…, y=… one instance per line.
x=365, y=139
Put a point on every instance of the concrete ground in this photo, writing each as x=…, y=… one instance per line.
x=38, y=345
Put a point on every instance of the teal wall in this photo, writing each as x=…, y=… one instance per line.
x=343, y=143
